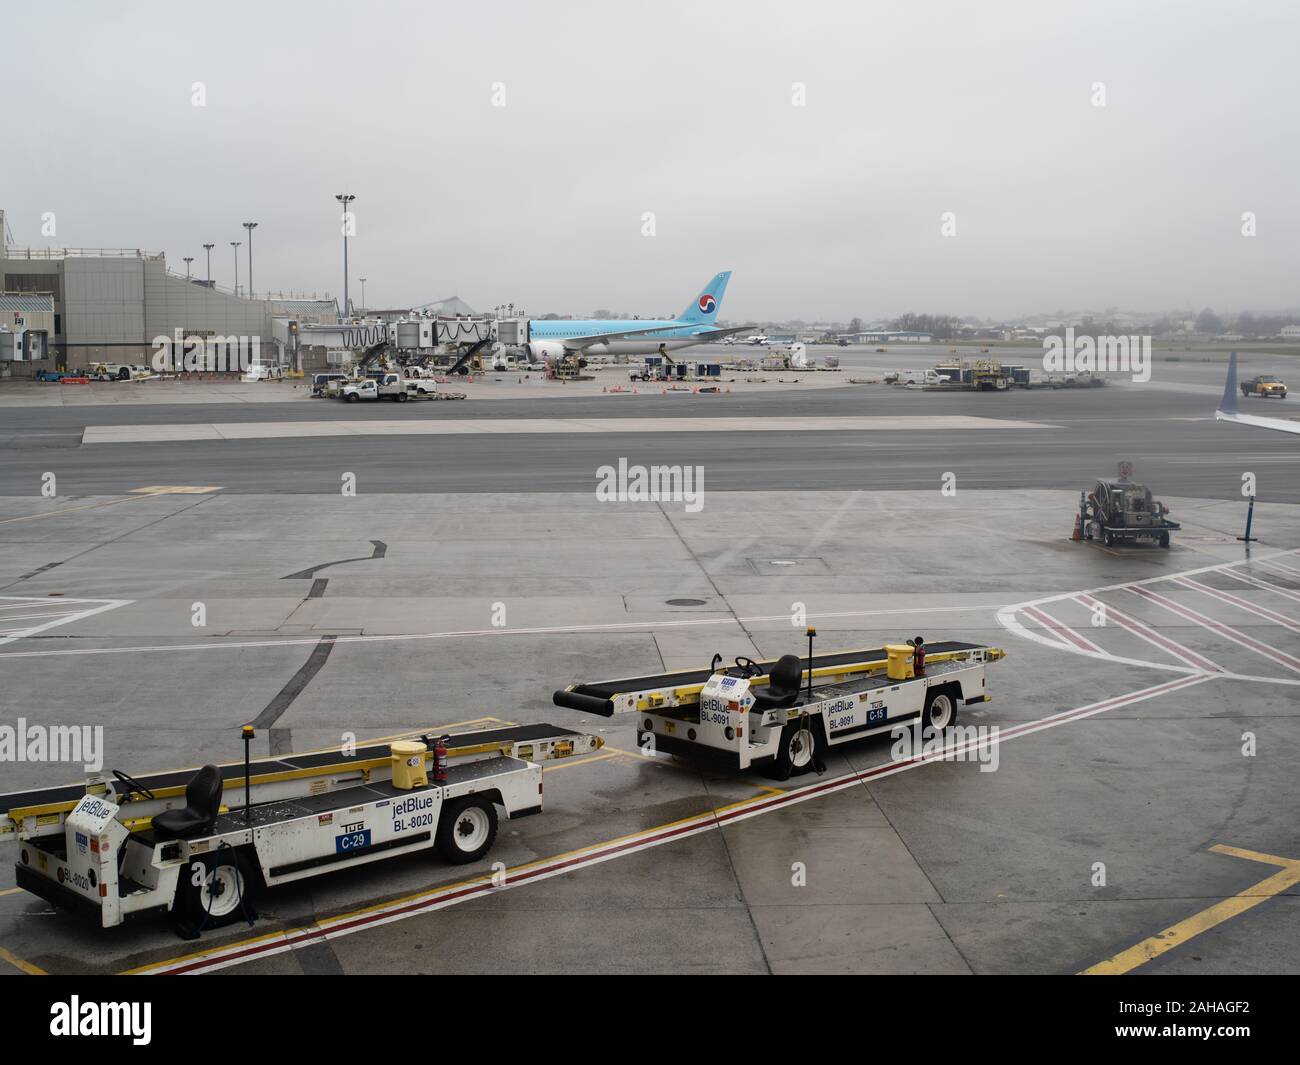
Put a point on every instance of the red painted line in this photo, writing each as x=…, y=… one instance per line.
x=1241, y=604
x=1249, y=642
x=1246, y=578
x=703, y=823
x=1272, y=563
x=1149, y=634
x=1048, y=622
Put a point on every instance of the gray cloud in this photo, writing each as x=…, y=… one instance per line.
x=823, y=211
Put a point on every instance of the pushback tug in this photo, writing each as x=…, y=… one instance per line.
x=779, y=715
x=200, y=843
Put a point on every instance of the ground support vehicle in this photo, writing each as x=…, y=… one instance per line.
x=202, y=843
x=1119, y=510
x=780, y=714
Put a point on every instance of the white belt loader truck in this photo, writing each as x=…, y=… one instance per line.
x=202, y=843
x=779, y=715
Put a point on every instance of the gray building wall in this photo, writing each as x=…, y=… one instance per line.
x=172, y=303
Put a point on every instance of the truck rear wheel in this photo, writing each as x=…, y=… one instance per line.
x=797, y=753
x=467, y=829
x=940, y=709
x=215, y=889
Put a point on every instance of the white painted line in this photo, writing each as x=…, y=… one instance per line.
x=1007, y=618
x=89, y=607
x=1242, y=604
x=445, y=897
x=217, y=644
x=1146, y=632
x=1246, y=578
x=1249, y=642
x=1290, y=571
x=1047, y=621
x=119, y=434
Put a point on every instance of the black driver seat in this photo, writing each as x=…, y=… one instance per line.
x=202, y=801
x=783, y=685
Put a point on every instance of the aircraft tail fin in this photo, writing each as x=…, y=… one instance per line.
x=706, y=305
x=1228, y=405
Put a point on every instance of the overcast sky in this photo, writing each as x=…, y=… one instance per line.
x=686, y=110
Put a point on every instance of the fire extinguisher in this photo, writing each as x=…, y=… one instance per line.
x=440, y=760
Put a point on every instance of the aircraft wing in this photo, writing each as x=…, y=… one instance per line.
x=1284, y=425
x=1227, y=411
x=578, y=343
x=718, y=334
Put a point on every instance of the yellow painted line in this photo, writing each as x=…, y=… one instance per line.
x=70, y=510
x=482, y=879
x=11, y=891
x=177, y=489
x=18, y=963
x=1178, y=934
x=581, y=761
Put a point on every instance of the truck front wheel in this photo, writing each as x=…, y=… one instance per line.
x=215, y=889
x=798, y=751
x=467, y=829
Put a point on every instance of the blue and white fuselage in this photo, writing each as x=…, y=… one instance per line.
x=697, y=324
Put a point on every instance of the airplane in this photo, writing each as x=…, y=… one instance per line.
x=550, y=339
x=1227, y=411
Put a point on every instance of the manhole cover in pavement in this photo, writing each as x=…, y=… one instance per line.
x=687, y=602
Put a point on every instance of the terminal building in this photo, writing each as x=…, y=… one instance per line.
x=109, y=305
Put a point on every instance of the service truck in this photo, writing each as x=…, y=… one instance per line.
x=202, y=843
x=389, y=386
x=778, y=715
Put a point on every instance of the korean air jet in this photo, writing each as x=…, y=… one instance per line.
x=548, y=339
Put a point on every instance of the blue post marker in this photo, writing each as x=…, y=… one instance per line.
x=1250, y=516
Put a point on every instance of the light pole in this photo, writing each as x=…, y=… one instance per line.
x=250, y=226
x=363, y=295
x=235, y=245
x=188, y=259
x=345, y=199
x=208, y=248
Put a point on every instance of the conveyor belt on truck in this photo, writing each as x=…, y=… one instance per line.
x=67, y=796
x=591, y=695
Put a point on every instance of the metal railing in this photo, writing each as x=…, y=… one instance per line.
x=79, y=253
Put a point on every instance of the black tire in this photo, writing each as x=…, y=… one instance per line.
x=123, y=374
x=466, y=829
x=1109, y=538
x=401, y=397
x=224, y=894
x=1164, y=539
x=940, y=709
x=353, y=397
x=799, y=751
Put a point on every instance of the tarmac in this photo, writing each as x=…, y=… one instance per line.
x=1139, y=819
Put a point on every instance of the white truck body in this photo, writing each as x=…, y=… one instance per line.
x=391, y=386
x=102, y=856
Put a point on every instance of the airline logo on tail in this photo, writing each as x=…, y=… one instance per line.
x=707, y=303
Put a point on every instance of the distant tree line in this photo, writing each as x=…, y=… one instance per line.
x=940, y=326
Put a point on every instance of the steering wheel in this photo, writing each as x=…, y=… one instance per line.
x=132, y=785
x=748, y=667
